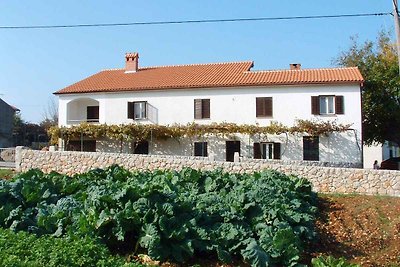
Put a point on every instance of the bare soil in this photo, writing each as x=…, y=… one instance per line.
x=362, y=229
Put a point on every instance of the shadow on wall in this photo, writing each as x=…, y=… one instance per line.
x=340, y=147
x=172, y=146
x=292, y=147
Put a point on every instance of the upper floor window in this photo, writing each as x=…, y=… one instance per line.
x=200, y=149
x=327, y=105
x=263, y=107
x=137, y=110
x=92, y=113
x=202, y=108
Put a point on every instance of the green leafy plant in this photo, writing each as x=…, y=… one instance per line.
x=265, y=218
x=24, y=249
x=331, y=262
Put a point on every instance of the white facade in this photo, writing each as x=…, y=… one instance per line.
x=233, y=105
x=379, y=153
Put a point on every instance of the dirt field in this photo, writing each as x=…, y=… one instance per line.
x=363, y=229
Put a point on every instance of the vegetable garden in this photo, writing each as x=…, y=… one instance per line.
x=263, y=219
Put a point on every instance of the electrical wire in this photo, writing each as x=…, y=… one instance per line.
x=193, y=21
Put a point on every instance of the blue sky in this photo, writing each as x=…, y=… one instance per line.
x=36, y=63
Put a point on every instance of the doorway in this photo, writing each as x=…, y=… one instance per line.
x=231, y=148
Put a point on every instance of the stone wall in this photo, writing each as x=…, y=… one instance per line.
x=324, y=179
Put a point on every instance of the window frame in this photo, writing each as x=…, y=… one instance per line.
x=131, y=110
x=96, y=111
x=141, y=147
x=273, y=153
x=203, y=149
x=309, y=155
x=326, y=111
x=338, y=105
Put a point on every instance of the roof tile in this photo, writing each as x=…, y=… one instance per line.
x=231, y=74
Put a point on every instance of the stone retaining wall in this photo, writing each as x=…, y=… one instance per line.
x=324, y=179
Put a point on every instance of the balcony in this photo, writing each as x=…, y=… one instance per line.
x=82, y=110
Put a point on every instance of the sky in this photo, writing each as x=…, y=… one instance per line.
x=37, y=62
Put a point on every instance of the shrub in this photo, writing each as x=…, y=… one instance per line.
x=24, y=249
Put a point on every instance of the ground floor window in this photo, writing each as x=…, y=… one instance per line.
x=231, y=148
x=200, y=149
x=84, y=145
x=267, y=150
x=311, y=148
x=140, y=147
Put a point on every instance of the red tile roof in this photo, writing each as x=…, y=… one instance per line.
x=212, y=75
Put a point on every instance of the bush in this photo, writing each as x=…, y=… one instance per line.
x=24, y=249
x=265, y=218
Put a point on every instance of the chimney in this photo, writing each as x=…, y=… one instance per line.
x=295, y=66
x=131, y=62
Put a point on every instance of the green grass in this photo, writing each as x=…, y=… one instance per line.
x=6, y=173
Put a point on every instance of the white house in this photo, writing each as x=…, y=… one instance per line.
x=221, y=92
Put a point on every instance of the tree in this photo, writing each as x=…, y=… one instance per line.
x=28, y=134
x=378, y=64
x=50, y=114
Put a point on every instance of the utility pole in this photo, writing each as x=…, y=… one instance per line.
x=397, y=29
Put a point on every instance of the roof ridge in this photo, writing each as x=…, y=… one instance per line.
x=197, y=64
x=298, y=70
x=184, y=65
x=111, y=69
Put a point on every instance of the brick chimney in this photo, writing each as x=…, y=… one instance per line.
x=295, y=66
x=131, y=62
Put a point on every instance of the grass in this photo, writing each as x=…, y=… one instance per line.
x=6, y=173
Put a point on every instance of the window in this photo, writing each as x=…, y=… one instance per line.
x=92, y=113
x=267, y=150
x=202, y=108
x=327, y=105
x=311, y=148
x=263, y=107
x=137, y=110
x=200, y=149
x=81, y=145
x=140, y=147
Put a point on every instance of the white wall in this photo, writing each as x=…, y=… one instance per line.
x=372, y=153
x=238, y=105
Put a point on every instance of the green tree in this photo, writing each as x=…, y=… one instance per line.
x=378, y=64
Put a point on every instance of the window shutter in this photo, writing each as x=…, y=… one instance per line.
x=260, y=107
x=205, y=108
x=268, y=106
x=197, y=108
x=315, y=105
x=339, y=104
x=130, y=110
x=277, y=150
x=257, y=150
x=205, y=150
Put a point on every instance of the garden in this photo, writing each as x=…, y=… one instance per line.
x=116, y=217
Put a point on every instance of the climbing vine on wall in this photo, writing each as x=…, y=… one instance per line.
x=139, y=132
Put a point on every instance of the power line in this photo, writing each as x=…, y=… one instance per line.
x=193, y=21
